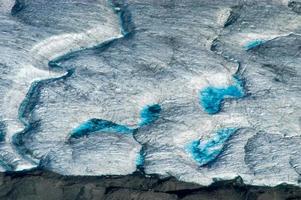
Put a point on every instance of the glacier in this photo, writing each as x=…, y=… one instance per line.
x=199, y=90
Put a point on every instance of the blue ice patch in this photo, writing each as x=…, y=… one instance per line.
x=149, y=114
x=94, y=125
x=211, y=98
x=140, y=159
x=253, y=44
x=206, y=151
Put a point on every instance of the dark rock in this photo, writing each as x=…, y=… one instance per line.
x=138, y=195
x=38, y=185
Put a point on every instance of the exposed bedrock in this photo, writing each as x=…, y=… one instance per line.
x=37, y=185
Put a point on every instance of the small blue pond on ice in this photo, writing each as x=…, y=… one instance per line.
x=206, y=151
x=149, y=114
x=211, y=98
x=253, y=44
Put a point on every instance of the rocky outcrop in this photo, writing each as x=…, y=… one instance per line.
x=43, y=185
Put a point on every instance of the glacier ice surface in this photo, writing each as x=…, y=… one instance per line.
x=156, y=83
